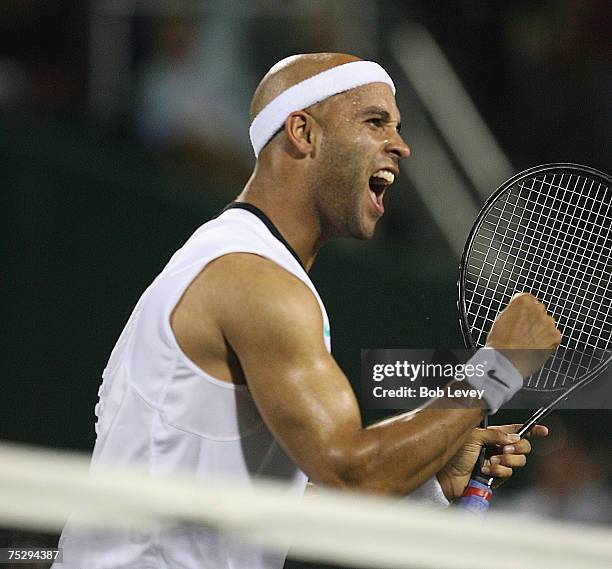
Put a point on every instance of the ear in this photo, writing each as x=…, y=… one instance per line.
x=302, y=132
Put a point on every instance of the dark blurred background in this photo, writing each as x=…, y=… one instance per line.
x=124, y=126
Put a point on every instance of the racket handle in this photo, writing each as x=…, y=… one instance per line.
x=476, y=498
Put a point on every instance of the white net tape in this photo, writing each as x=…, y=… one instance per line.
x=40, y=488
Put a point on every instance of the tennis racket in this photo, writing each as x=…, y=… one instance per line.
x=547, y=231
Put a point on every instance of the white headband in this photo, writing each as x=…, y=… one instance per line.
x=310, y=91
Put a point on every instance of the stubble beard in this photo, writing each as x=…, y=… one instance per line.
x=339, y=187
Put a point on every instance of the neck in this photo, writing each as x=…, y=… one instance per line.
x=289, y=207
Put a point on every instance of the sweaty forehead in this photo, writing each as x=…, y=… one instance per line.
x=356, y=101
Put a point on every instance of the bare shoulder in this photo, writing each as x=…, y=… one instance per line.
x=263, y=290
x=241, y=306
x=246, y=292
x=253, y=271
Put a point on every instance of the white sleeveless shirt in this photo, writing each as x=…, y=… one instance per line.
x=158, y=409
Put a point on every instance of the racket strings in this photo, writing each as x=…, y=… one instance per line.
x=549, y=235
x=576, y=261
x=580, y=311
x=485, y=266
x=566, y=257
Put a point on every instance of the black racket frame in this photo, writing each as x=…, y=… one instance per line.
x=560, y=168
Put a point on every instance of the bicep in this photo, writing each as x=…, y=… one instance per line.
x=300, y=391
x=309, y=406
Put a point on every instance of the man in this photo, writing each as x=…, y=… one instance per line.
x=224, y=368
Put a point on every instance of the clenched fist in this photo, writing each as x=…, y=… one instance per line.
x=525, y=333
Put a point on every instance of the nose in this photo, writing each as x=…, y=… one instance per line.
x=398, y=147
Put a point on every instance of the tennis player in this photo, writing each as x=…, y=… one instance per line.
x=224, y=367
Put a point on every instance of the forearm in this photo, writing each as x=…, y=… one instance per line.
x=407, y=450
x=399, y=454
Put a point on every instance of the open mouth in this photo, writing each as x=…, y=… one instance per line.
x=378, y=183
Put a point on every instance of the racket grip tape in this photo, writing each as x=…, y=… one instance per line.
x=476, y=498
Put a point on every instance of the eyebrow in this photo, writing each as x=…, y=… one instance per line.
x=382, y=113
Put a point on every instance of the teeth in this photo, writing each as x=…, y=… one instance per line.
x=385, y=175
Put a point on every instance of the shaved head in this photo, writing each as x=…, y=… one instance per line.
x=325, y=132
x=293, y=70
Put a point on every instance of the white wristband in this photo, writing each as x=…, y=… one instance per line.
x=500, y=380
x=429, y=492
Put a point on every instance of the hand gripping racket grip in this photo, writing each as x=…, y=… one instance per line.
x=477, y=494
